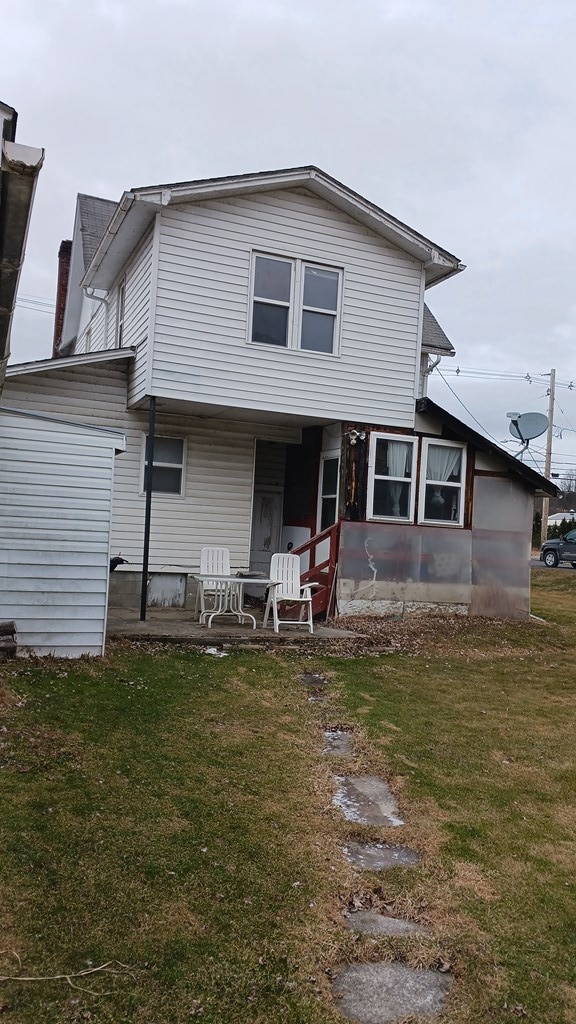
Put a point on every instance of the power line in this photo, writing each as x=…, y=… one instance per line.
x=483, y=429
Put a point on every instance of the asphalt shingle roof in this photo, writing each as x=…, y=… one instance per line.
x=95, y=216
x=433, y=337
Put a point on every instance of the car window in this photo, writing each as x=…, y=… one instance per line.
x=570, y=536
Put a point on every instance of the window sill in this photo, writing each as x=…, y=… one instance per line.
x=261, y=345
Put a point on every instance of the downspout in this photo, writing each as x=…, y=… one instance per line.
x=90, y=294
x=148, y=467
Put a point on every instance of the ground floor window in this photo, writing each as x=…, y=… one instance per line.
x=442, y=488
x=328, y=498
x=168, y=465
x=391, y=477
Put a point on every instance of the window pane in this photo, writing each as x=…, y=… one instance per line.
x=328, y=516
x=317, y=332
x=166, y=481
x=321, y=288
x=444, y=462
x=270, y=324
x=442, y=503
x=272, y=279
x=393, y=458
x=391, y=499
x=168, y=449
x=330, y=476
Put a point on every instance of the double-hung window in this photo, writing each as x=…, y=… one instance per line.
x=167, y=466
x=295, y=304
x=391, y=470
x=443, y=477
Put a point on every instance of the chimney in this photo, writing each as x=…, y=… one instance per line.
x=64, y=254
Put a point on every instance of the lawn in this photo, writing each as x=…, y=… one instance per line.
x=168, y=814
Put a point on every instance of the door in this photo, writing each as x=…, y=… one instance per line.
x=327, y=501
x=266, y=528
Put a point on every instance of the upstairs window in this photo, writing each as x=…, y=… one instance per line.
x=442, y=488
x=168, y=465
x=391, y=477
x=295, y=304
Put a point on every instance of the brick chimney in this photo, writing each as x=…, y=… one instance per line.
x=64, y=254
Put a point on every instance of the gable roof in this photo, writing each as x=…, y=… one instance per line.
x=95, y=215
x=138, y=207
x=433, y=337
x=456, y=430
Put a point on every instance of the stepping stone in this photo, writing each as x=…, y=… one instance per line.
x=339, y=743
x=377, y=856
x=366, y=800
x=388, y=992
x=316, y=685
x=368, y=922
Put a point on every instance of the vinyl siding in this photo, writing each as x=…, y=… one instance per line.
x=55, y=534
x=202, y=310
x=217, y=505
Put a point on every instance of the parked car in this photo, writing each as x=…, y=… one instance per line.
x=563, y=549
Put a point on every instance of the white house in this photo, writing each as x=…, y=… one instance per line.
x=270, y=332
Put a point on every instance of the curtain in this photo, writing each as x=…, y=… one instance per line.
x=398, y=457
x=443, y=461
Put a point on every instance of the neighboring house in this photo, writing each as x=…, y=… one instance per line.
x=272, y=328
x=55, y=477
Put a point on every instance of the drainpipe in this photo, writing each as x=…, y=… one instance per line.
x=149, y=462
x=91, y=294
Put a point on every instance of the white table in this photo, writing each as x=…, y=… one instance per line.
x=228, y=596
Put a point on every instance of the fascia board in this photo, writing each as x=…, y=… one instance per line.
x=69, y=362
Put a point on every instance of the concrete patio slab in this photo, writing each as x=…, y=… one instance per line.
x=366, y=800
x=388, y=992
x=178, y=625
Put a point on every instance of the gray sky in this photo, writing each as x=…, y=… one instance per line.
x=458, y=118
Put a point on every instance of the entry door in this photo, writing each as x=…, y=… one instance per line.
x=266, y=528
x=327, y=500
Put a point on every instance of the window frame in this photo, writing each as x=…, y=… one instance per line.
x=375, y=436
x=169, y=465
x=296, y=307
x=326, y=457
x=424, y=482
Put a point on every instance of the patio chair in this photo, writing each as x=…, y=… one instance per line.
x=287, y=589
x=216, y=560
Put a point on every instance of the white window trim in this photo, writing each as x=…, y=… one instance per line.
x=296, y=306
x=120, y=313
x=453, y=523
x=376, y=436
x=163, y=495
x=324, y=457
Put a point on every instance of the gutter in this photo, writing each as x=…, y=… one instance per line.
x=19, y=170
x=124, y=206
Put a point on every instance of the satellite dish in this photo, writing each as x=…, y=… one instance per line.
x=526, y=425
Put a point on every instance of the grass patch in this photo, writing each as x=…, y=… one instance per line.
x=172, y=812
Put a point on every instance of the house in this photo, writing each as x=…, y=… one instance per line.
x=55, y=476
x=263, y=343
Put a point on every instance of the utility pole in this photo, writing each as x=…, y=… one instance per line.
x=548, y=460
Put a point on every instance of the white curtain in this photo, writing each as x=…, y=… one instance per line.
x=443, y=461
x=398, y=460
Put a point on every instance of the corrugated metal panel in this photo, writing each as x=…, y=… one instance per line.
x=203, y=305
x=55, y=537
x=216, y=507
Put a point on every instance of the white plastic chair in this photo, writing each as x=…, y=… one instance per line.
x=216, y=560
x=287, y=589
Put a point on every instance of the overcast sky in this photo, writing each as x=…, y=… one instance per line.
x=458, y=118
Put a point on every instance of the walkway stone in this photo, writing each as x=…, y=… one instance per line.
x=339, y=743
x=384, y=993
x=316, y=685
x=366, y=800
x=377, y=856
x=368, y=922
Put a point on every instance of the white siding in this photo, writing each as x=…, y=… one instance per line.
x=202, y=308
x=217, y=505
x=55, y=512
